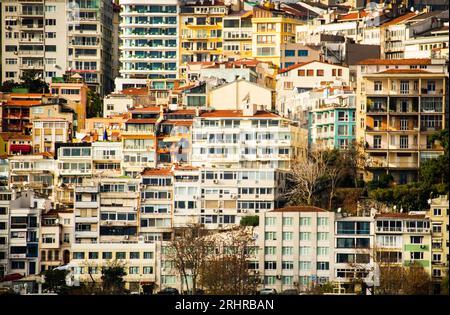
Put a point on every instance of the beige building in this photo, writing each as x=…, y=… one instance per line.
x=401, y=107
x=47, y=132
x=56, y=238
x=438, y=215
x=296, y=247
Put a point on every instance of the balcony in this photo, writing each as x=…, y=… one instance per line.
x=432, y=92
x=79, y=219
x=421, y=262
x=86, y=204
x=416, y=248
x=87, y=234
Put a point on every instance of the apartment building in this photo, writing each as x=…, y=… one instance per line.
x=75, y=94
x=157, y=205
x=15, y=143
x=245, y=138
x=296, y=247
x=34, y=171
x=31, y=38
x=74, y=162
x=49, y=131
x=149, y=43
x=25, y=223
x=140, y=260
x=89, y=46
x=139, y=140
x=86, y=213
x=354, y=259
x=402, y=105
x=332, y=120
x=304, y=77
x=237, y=35
x=107, y=158
x=403, y=239
x=272, y=28
x=438, y=215
x=200, y=32
x=5, y=197
x=56, y=238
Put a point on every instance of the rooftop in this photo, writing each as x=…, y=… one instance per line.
x=300, y=209
x=410, y=61
x=229, y=113
x=400, y=216
x=157, y=172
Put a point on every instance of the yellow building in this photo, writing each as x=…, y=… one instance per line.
x=237, y=35
x=271, y=30
x=201, y=32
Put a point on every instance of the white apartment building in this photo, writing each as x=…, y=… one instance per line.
x=156, y=204
x=140, y=259
x=245, y=138
x=25, y=222
x=107, y=158
x=354, y=251
x=304, y=77
x=149, y=43
x=296, y=247
x=55, y=36
x=5, y=198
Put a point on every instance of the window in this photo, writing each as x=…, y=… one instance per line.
x=120, y=255
x=322, y=236
x=289, y=53
x=304, y=250
x=322, y=221
x=287, y=280
x=269, y=280
x=288, y=85
x=148, y=255
x=431, y=86
x=134, y=255
x=304, y=265
x=287, y=250
x=133, y=270
x=305, y=236
x=270, y=250
x=302, y=53
x=106, y=255
x=323, y=265
x=287, y=221
x=270, y=265
x=287, y=265
x=93, y=255
x=50, y=21
x=287, y=236
x=378, y=86
x=78, y=255
x=301, y=73
x=437, y=257
x=416, y=255
x=437, y=212
x=319, y=72
x=377, y=142
x=270, y=236
x=310, y=73
x=416, y=239
x=271, y=221
x=147, y=270
x=322, y=251
x=305, y=221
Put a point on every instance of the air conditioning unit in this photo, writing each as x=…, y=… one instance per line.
x=216, y=210
x=423, y=246
x=126, y=237
x=278, y=277
x=244, y=210
x=215, y=181
x=194, y=197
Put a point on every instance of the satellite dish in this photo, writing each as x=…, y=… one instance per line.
x=395, y=207
x=339, y=210
x=429, y=201
x=401, y=210
x=412, y=9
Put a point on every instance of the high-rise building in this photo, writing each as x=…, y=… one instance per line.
x=148, y=43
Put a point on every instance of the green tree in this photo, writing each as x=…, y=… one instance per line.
x=250, y=220
x=7, y=86
x=444, y=284
x=94, y=104
x=31, y=80
x=112, y=278
x=55, y=280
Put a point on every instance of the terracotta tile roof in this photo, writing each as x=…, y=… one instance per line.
x=25, y=95
x=400, y=216
x=300, y=209
x=157, y=172
x=353, y=16
x=183, y=112
x=400, y=19
x=14, y=136
x=410, y=61
x=23, y=103
x=408, y=71
x=155, y=109
x=135, y=91
x=236, y=113
x=186, y=168
x=177, y=122
x=141, y=121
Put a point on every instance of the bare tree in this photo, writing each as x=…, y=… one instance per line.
x=227, y=270
x=307, y=177
x=336, y=168
x=188, y=251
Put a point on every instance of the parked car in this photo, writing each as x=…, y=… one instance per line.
x=290, y=292
x=169, y=291
x=267, y=291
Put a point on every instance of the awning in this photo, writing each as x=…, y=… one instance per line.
x=24, y=148
x=11, y=277
x=172, y=139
